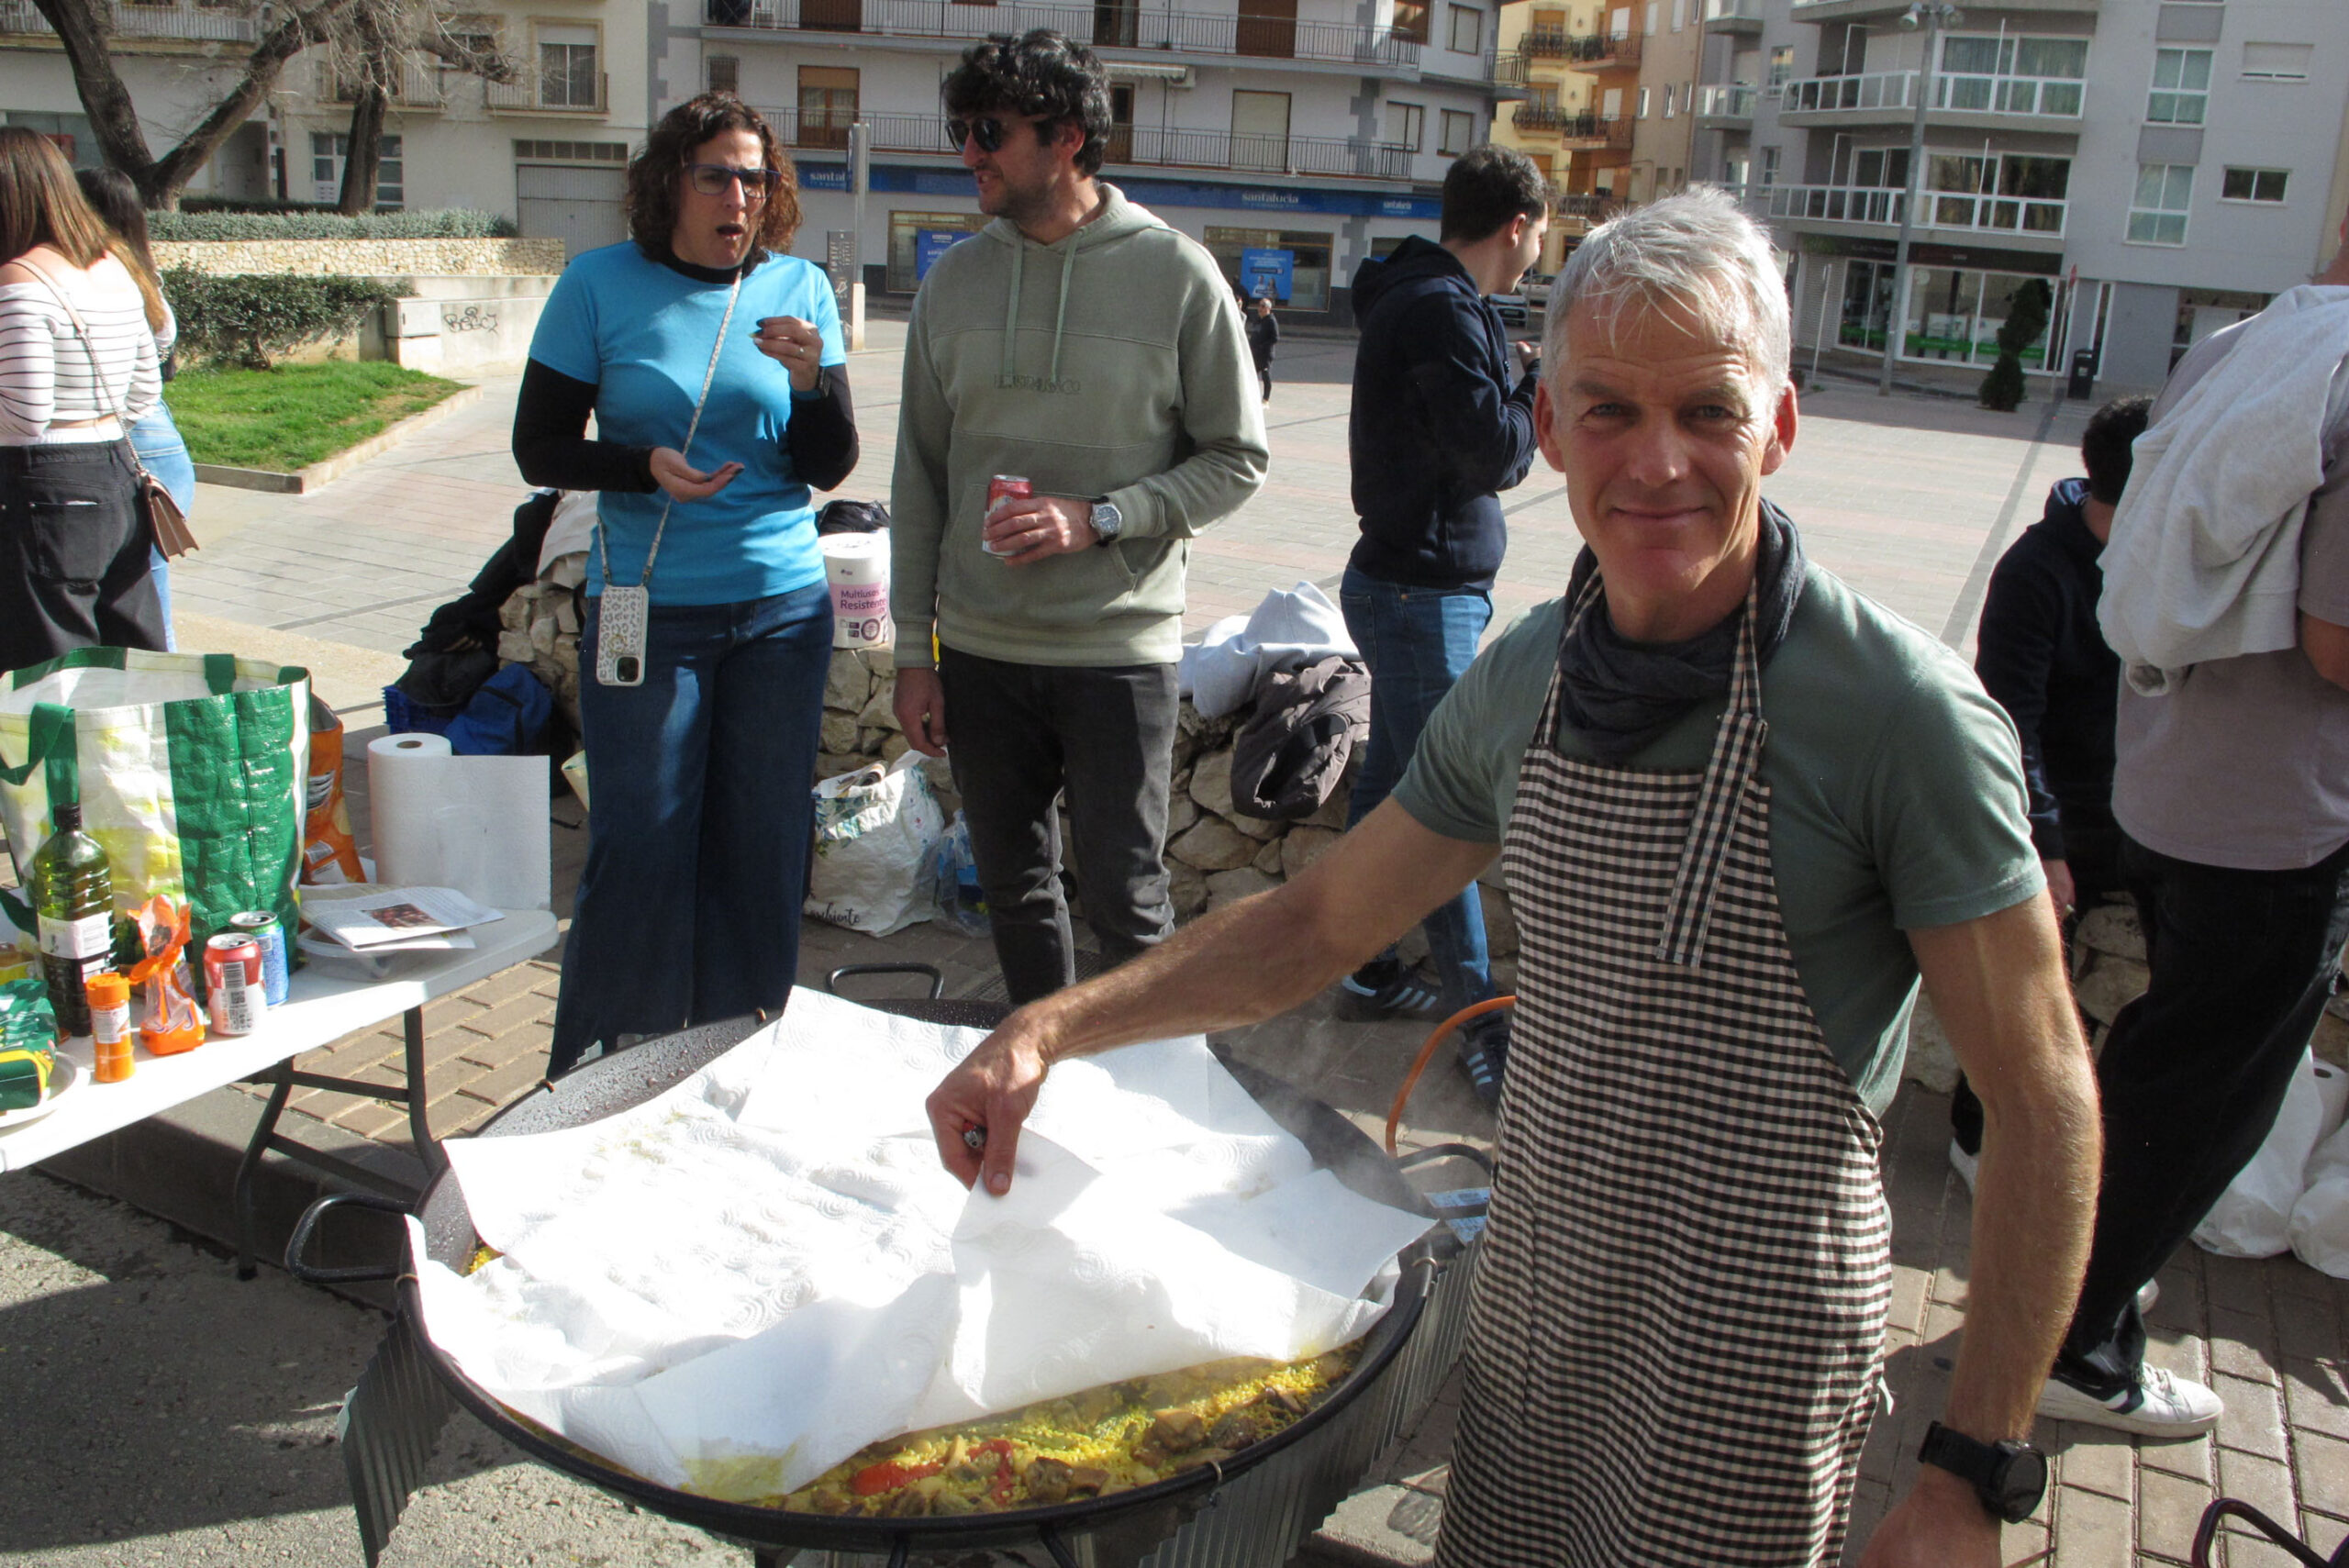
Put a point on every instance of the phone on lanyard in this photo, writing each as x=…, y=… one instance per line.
x=620, y=622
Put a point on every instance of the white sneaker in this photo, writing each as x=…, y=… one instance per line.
x=1965, y=1164
x=2160, y=1406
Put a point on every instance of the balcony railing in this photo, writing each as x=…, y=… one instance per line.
x=1596, y=133
x=531, y=93
x=1586, y=206
x=418, y=84
x=1545, y=43
x=201, y=24
x=1107, y=25
x=1604, y=51
x=1953, y=92
x=1146, y=146
x=1537, y=116
x=1875, y=207
x=1733, y=101
x=1733, y=13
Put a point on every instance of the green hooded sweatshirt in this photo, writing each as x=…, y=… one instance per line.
x=1111, y=365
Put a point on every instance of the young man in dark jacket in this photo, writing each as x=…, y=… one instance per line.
x=2042, y=657
x=1262, y=333
x=1440, y=424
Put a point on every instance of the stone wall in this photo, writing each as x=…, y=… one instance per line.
x=365, y=258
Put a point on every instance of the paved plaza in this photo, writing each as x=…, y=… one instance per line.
x=1910, y=498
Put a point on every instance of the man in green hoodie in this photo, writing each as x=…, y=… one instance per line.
x=1080, y=343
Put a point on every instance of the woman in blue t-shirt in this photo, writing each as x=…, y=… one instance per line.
x=697, y=838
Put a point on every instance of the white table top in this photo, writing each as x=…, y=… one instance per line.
x=318, y=1010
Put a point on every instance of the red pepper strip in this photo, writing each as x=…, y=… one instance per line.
x=1004, y=1480
x=887, y=1476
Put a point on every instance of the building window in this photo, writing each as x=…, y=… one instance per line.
x=330, y=152
x=1641, y=111
x=2252, y=185
x=916, y=238
x=1407, y=124
x=1308, y=260
x=2181, y=86
x=567, y=74
x=533, y=151
x=1769, y=165
x=1782, y=67
x=2157, y=210
x=1467, y=30
x=1648, y=22
x=2277, y=61
x=1411, y=20
x=725, y=73
x=827, y=104
x=2013, y=75
x=1954, y=314
x=1679, y=15
x=1459, y=133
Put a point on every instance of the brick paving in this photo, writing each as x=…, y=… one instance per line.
x=1909, y=499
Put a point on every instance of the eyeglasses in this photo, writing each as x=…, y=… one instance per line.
x=711, y=180
x=986, y=131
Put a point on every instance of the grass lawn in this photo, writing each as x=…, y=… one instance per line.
x=295, y=414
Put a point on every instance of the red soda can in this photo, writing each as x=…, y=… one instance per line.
x=233, y=981
x=1001, y=488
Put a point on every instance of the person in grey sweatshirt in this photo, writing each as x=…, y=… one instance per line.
x=1079, y=343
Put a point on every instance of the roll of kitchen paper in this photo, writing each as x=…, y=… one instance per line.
x=477, y=824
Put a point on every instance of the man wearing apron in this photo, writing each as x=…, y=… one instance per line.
x=1740, y=810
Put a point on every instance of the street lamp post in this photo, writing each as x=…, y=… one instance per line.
x=1932, y=16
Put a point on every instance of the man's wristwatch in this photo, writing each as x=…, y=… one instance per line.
x=2010, y=1477
x=1108, y=522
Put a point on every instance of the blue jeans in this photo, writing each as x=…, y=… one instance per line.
x=1418, y=642
x=156, y=439
x=699, y=821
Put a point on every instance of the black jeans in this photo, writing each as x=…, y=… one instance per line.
x=74, y=547
x=1017, y=735
x=2195, y=1070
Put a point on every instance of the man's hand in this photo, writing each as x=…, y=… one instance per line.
x=796, y=345
x=920, y=708
x=1025, y=529
x=1940, y=1524
x=2062, y=891
x=978, y=1111
x=686, y=482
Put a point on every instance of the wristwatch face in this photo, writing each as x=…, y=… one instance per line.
x=2021, y=1481
x=1107, y=521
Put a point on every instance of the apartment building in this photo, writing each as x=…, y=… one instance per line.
x=1294, y=139
x=545, y=147
x=2164, y=167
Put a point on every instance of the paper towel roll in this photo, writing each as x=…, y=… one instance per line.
x=857, y=567
x=477, y=824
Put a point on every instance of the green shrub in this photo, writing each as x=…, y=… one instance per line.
x=300, y=223
x=248, y=318
x=2002, y=389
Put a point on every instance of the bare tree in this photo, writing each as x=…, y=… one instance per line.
x=378, y=37
x=85, y=28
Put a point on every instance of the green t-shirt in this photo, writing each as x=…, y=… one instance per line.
x=1897, y=796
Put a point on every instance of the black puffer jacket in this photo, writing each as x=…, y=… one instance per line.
x=1437, y=430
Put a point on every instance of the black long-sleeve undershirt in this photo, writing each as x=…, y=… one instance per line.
x=552, y=446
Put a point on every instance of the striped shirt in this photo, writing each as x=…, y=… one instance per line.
x=49, y=376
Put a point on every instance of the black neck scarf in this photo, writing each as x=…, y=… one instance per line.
x=1622, y=695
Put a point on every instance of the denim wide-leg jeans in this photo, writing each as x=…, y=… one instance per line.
x=700, y=815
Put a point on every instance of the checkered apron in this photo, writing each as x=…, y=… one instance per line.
x=1679, y=1312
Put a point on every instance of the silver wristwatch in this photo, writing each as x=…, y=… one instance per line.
x=1108, y=522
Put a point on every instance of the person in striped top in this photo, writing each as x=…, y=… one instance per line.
x=78, y=367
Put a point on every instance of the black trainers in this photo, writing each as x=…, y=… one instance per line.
x=1386, y=990
x=1484, y=1054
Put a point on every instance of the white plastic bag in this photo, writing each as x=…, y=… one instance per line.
x=2253, y=1218
x=2320, y=1227
x=876, y=831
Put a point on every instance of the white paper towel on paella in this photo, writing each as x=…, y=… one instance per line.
x=740, y=1283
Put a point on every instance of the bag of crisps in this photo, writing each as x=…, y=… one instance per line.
x=163, y=999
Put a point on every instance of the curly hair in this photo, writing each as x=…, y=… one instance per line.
x=1040, y=72
x=660, y=164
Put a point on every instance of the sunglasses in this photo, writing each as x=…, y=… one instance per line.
x=986, y=131
x=711, y=180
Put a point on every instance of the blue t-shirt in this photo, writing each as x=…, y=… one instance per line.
x=642, y=332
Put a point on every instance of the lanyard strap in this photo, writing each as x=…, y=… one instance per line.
x=603, y=547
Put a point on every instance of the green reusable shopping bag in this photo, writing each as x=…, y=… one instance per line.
x=190, y=769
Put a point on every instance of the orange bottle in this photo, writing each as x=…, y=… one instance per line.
x=109, y=996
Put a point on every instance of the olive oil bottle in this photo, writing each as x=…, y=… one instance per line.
x=73, y=889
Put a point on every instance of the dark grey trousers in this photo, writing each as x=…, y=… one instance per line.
x=1018, y=736
x=73, y=553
